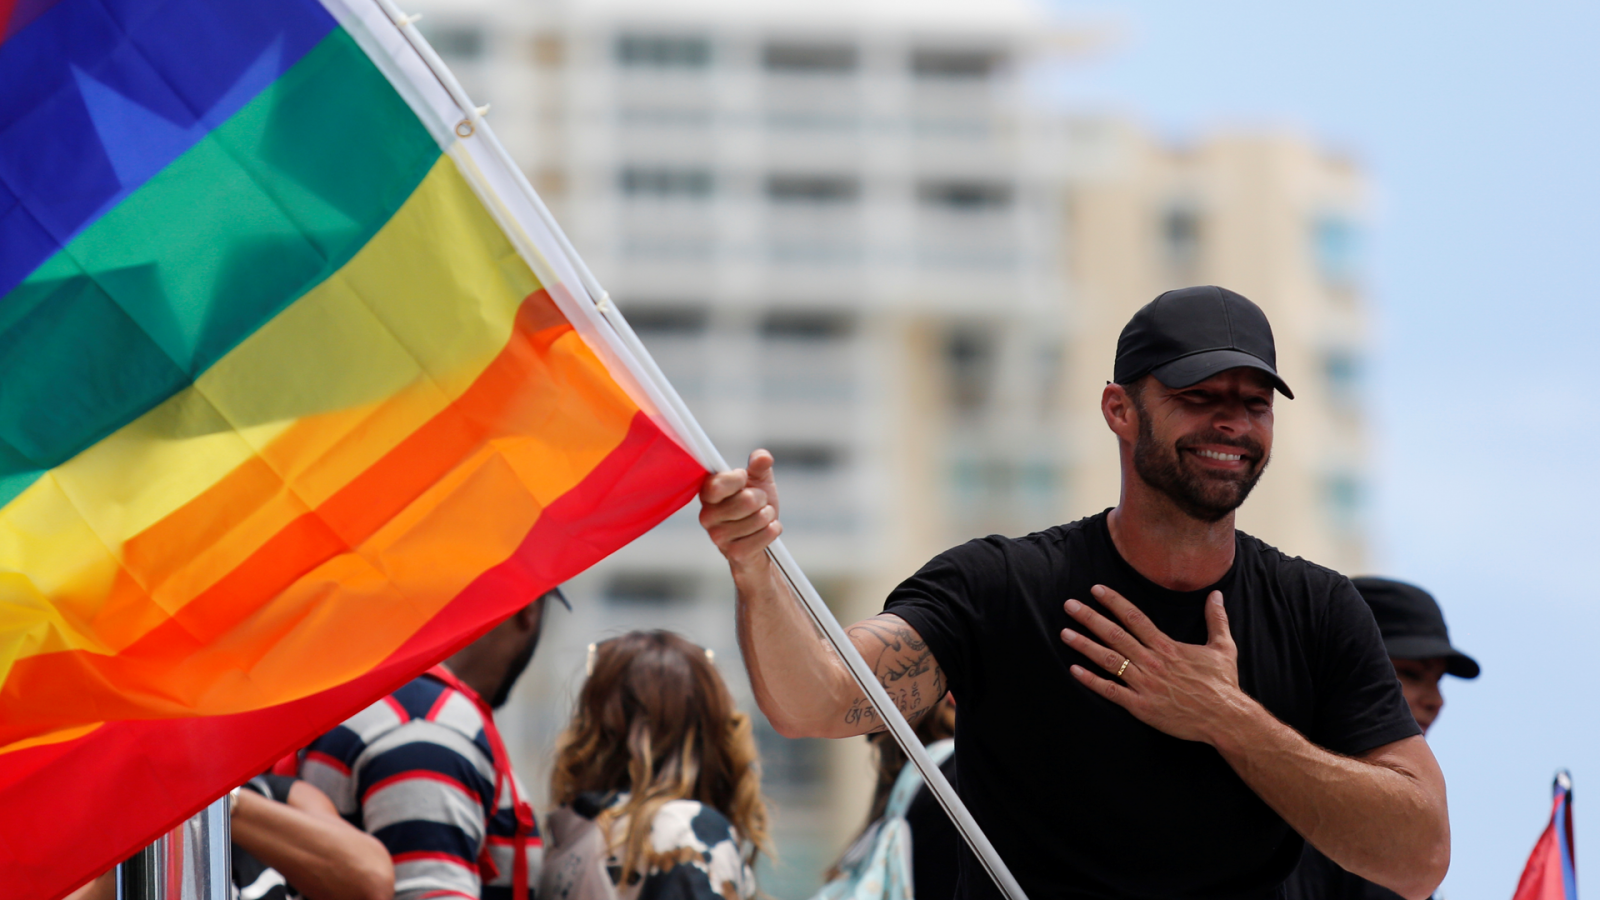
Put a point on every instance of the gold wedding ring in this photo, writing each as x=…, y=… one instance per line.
x=1124, y=667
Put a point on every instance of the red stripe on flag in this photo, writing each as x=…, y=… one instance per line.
x=16, y=15
x=7, y=7
x=159, y=772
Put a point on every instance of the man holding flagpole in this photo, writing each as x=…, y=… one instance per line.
x=1152, y=703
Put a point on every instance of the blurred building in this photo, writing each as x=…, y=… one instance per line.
x=847, y=234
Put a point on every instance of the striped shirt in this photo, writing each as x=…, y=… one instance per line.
x=416, y=770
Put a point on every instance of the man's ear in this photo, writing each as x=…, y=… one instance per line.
x=1121, y=413
x=527, y=618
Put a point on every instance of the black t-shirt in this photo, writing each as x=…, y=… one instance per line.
x=1320, y=878
x=1081, y=799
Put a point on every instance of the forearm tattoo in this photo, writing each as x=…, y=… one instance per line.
x=904, y=666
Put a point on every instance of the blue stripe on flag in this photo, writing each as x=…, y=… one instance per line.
x=100, y=95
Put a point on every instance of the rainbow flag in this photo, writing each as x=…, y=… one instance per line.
x=298, y=395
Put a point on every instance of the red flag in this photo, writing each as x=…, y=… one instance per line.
x=1551, y=873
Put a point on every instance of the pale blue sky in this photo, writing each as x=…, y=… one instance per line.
x=1480, y=125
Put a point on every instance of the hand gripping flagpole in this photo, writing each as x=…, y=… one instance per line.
x=678, y=412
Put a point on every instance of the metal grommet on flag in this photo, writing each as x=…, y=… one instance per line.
x=465, y=128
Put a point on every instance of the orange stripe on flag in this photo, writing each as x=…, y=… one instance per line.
x=400, y=540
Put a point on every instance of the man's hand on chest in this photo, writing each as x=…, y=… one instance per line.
x=1189, y=691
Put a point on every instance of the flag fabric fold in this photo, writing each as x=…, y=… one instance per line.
x=298, y=395
x=1551, y=873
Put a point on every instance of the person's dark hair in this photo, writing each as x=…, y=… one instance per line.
x=890, y=760
x=655, y=719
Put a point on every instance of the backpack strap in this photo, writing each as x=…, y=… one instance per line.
x=910, y=780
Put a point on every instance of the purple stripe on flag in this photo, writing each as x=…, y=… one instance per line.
x=102, y=94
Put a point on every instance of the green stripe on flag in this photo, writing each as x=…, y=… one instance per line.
x=263, y=209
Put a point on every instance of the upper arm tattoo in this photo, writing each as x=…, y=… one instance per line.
x=904, y=666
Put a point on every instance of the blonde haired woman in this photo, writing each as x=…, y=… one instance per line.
x=657, y=781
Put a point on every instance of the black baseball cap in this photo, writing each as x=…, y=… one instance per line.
x=1188, y=335
x=1412, y=624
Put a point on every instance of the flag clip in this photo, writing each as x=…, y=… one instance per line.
x=465, y=128
x=405, y=20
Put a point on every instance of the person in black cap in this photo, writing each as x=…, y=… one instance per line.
x=1153, y=705
x=1419, y=646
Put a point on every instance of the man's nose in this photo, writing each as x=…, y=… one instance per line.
x=1434, y=700
x=1232, y=417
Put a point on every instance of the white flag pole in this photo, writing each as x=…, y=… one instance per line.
x=706, y=452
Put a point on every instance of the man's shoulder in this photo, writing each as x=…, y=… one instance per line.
x=1047, y=543
x=423, y=711
x=1291, y=571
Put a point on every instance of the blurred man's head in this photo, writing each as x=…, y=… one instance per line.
x=1418, y=642
x=1198, y=366
x=492, y=664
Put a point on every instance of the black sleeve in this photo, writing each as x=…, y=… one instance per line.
x=944, y=603
x=279, y=785
x=1359, y=702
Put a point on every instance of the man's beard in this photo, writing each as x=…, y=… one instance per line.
x=514, y=671
x=1206, y=496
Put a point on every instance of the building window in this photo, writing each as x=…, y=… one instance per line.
x=795, y=325
x=457, y=43
x=808, y=58
x=1346, y=499
x=650, y=588
x=694, y=184
x=1180, y=238
x=970, y=357
x=1344, y=370
x=807, y=459
x=930, y=63
x=965, y=196
x=668, y=321
x=819, y=189
x=1336, y=246
x=663, y=52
